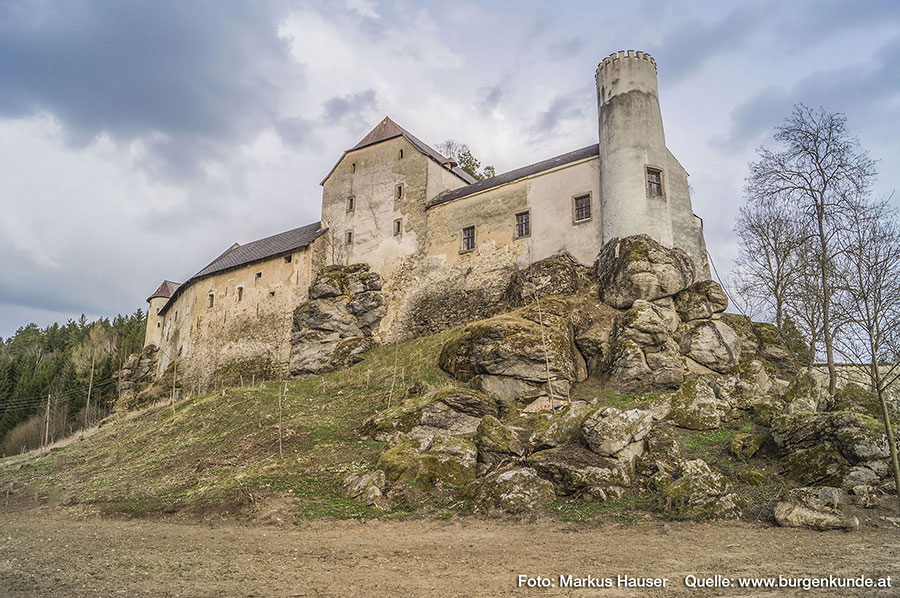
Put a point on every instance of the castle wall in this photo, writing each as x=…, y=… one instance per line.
x=245, y=331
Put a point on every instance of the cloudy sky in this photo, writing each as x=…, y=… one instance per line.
x=138, y=139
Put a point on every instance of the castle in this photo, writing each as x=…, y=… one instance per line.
x=443, y=243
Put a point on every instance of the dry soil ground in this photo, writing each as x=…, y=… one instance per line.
x=45, y=552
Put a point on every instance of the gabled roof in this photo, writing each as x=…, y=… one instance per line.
x=255, y=251
x=166, y=289
x=388, y=129
x=514, y=175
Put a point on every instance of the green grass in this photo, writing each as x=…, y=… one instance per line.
x=220, y=454
x=629, y=509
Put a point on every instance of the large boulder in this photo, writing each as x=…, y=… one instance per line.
x=805, y=394
x=430, y=461
x=448, y=410
x=695, y=491
x=518, y=347
x=821, y=449
x=695, y=406
x=638, y=267
x=820, y=509
x=711, y=343
x=575, y=470
x=498, y=442
x=558, y=275
x=558, y=426
x=701, y=300
x=335, y=327
x=609, y=430
x=514, y=490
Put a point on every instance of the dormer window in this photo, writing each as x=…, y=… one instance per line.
x=654, y=182
x=351, y=203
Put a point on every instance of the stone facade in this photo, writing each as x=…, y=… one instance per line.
x=444, y=245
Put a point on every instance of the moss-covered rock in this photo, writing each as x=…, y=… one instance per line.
x=695, y=406
x=711, y=343
x=638, y=267
x=560, y=426
x=498, y=443
x=697, y=492
x=558, y=275
x=514, y=490
x=815, y=508
x=511, y=345
x=609, y=430
x=805, y=394
x=746, y=445
x=574, y=469
x=701, y=300
x=429, y=461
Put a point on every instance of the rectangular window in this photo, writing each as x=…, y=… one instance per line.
x=398, y=227
x=583, y=208
x=401, y=153
x=654, y=182
x=240, y=294
x=212, y=298
x=398, y=192
x=468, y=239
x=348, y=238
x=351, y=203
x=352, y=167
x=288, y=259
x=523, y=224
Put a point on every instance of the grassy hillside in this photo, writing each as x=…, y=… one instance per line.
x=219, y=454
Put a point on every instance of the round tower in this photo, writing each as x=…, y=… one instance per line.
x=633, y=155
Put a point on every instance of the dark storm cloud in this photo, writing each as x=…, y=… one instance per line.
x=200, y=74
x=870, y=87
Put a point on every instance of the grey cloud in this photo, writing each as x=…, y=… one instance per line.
x=563, y=49
x=561, y=108
x=200, y=74
x=866, y=88
x=489, y=97
x=351, y=105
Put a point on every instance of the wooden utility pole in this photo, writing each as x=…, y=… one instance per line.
x=46, y=424
x=280, y=396
x=174, y=377
x=87, y=404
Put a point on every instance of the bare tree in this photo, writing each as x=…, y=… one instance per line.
x=819, y=170
x=769, y=237
x=870, y=287
x=803, y=300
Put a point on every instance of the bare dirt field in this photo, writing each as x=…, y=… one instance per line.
x=48, y=552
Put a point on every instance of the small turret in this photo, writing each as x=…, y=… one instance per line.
x=153, y=333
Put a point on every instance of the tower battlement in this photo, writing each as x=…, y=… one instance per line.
x=626, y=55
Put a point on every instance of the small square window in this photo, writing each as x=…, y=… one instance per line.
x=351, y=203
x=398, y=227
x=654, y=182
x=523, y=224
x=398, y=192
x=271, y=293
x=582, y=208
x=288, y=259
x=348, y=237
x=211, y=298
x=468, y=239
x=258, y=275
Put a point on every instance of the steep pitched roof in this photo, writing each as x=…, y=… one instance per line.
x=514, y=175
x=165, y=290
x=255, y=251
x=388, y=129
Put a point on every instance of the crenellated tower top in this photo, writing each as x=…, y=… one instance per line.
x=626, y=55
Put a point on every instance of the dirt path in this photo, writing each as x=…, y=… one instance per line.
x=45, y=553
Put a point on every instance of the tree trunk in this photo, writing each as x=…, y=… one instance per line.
x=826, y=302
x=888, y=428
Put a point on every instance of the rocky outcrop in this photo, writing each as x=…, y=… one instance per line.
x=820, y=509
x=514, y=354
x=700, y=301
x=430, y=461
x=609, y=431
x=695, y=491
x=336, y=325
x=638, y=267
x=513, y=490
x=137, y=383
x=575, y=470
x=644, y=356
x=821, y=449
x=560, y=275
x=498, y=443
